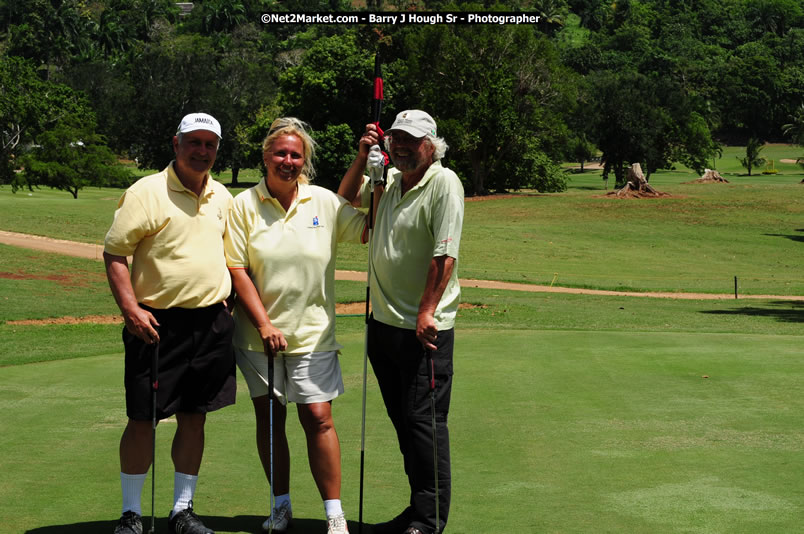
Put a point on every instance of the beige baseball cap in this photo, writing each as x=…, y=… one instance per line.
x=415, y=122
x=199, y=121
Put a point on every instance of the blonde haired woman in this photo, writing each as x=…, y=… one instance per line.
x=281, y=244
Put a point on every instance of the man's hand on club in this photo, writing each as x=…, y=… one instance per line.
x=371, y=136
x=375, y=166
x=142, y=324
x=426, y=330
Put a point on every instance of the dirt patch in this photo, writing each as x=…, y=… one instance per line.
x=76, y=279
x=351, y=308
x=95, y=319
x=636, y=194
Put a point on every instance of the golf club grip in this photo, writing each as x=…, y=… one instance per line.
x=432, y=370
x=155, y=367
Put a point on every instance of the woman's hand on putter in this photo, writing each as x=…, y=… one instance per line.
x=273, y=341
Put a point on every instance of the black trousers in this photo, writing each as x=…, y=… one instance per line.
x=402, y=368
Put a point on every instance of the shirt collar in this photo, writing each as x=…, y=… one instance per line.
x=303, y=192
x=175, y=184
x=428, y=175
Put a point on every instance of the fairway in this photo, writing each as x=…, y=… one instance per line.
x=552, y=431
x=571, y=413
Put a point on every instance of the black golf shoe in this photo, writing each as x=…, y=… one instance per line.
x=186, y=522
x=130, y=523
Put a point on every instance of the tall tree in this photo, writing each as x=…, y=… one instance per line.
x=495, y=92
x=28, y=107
x=69, y=157
x=641, y=119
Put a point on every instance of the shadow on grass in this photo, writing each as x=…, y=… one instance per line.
x=786, y=311
x=242, y=523
x=793, y=237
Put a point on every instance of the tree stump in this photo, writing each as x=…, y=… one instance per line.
x=637, y=186
x=710, y=176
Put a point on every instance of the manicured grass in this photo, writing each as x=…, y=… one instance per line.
x=551, y=431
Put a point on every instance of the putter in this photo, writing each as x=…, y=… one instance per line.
x=154, y=388
x=271, y=437
x=435, y=437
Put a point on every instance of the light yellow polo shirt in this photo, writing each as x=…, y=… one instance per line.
x=176, y=239
x=290, y=257
x=409, y=231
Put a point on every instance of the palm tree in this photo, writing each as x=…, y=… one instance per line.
x=752, y=158
x=795, y=128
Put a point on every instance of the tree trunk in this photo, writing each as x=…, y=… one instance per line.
x=235, y=172
x=478, y=177
x=637, y=185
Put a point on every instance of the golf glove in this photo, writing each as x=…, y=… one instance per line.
x=375, y=165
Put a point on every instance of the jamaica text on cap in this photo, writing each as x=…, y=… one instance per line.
x=199, y=121
x=415, y=122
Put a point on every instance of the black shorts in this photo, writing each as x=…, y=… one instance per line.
x=196, y=371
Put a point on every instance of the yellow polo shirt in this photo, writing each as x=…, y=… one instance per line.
x=409, y=231
x=176, y=238
x=290, y=257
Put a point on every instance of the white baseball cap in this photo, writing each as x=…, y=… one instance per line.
x=415, y=122
x=199, y=121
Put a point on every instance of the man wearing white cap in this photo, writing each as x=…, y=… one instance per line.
x=173, y=301
x=414, y=298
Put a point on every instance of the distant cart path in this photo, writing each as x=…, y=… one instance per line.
x=95, y=252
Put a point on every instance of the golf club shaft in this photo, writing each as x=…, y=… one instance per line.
x=376, y=112
x=271, y=437
x=435, y=438
x=154, y=388
x=365, y=375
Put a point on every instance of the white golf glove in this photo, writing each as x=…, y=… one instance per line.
x=375, y=165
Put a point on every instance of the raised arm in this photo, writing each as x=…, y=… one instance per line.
x=353, y=179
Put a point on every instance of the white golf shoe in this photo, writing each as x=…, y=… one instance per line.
x=337, y=525
x=280, y=517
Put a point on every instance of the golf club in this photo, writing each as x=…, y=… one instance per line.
x=271, y=437
x=154, y=388
x=376, y=110
x=435, y=437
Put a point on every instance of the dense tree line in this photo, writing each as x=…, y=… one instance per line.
x=649, y=81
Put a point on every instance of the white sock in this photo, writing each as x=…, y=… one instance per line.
x=132, y=492
x=332, y=508
x=280, y=499
x=183, y=490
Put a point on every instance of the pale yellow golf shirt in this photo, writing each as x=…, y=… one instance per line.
x=290, y=257
x=176, y=238
x=409, y=231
